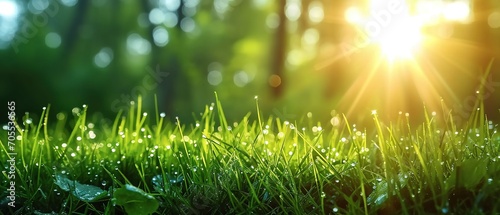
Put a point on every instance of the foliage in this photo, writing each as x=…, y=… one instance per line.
x=265, y=166
x=84, y=192
x=135, y=200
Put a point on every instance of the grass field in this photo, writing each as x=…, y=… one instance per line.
x=142, y=163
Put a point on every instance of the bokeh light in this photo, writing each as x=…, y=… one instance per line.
x=160, y=36
x=136, y=45
x=104, y=57
x=494, y=19
x=53, y=40
x=9, y=12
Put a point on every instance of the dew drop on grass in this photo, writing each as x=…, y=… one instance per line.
x=490, y=180
x=335, y=210
x=73, y=154
x=444, y=210
x=323, y=195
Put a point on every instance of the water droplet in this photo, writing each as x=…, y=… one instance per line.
x=323, y=195
x=335, y=210
x=444, y=210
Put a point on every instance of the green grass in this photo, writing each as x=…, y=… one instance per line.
x=256, y=165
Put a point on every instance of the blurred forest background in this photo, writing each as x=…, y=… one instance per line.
x=296, y=55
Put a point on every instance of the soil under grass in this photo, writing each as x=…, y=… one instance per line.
x=263, y=166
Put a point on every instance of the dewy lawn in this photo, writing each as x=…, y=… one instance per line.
x=142, y=163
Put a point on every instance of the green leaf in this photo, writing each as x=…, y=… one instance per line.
x=379, y=195
x=381, y=192
x=84, y=192
x=469, y=174
x=135, y=201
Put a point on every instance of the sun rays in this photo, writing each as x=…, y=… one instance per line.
x=393, y=58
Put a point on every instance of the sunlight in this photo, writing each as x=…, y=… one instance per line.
x=399, y=33
x=457, y=11
x=8, y=9
x=395, y=25
x=353, y=15
x=9, y=12
x=401, y=41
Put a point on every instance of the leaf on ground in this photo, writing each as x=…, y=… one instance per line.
x=381, y=192
x=159, y=185
x=84, y=192
x=468, y=174
x=135, y=201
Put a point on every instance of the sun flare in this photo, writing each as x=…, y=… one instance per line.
x=401, y=41
x=393, y=28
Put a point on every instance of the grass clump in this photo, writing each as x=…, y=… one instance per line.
x=262, y=165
